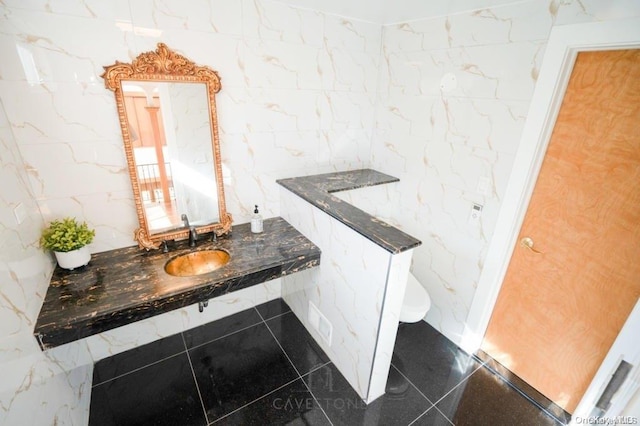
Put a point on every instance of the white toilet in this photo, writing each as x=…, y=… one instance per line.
x=415, y=305
x=416, y=301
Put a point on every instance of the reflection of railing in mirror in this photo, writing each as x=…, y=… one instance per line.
x=151, y=187
x=156, y=181
x=161, y=213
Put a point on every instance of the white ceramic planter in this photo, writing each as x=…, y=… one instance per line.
x=73, y=259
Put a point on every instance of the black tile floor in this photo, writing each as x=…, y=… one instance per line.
x=261, y=367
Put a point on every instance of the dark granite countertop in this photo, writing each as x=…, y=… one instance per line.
x=317, y=189
x=122, y=286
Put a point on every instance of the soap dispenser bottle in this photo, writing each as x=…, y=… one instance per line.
x=256, y=222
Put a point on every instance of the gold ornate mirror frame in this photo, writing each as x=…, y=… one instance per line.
x=165, y=65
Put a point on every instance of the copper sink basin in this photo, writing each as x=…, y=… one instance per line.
x=197, y=263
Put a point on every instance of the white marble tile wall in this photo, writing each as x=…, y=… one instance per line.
x=287, y=88
x=34, y=389
x=453, y=99
x=380, y=201
x=298, y=96
x=351, y=290
x=61, y=398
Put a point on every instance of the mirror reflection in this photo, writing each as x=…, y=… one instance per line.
x=167, y=111
x=171, y=139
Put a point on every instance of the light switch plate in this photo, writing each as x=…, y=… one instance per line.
x=476, y=213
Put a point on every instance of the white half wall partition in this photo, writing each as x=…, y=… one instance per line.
x=358, y=289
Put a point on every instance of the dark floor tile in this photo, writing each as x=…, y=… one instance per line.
x=160, y=394
x=484, y=398
x=344, y=406
x=291, y=405
x=523, y=387
x=296, y=341
x=430, y=361
x=216, y=329
x=273, y=308
x=133, y=359
x=239, y=368
x=432, y=417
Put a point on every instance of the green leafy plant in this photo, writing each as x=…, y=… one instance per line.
x=66, y=235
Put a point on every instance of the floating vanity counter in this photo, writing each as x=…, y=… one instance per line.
x=317, y=190
x=122, y=286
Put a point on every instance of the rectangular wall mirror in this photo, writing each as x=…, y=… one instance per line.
x=167, y=112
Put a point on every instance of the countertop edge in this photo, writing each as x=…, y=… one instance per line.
x=318, y=189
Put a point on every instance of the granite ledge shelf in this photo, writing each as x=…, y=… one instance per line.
x=317, y=189
x=126, y=285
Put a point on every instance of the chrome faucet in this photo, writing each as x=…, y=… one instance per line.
x=193, y=233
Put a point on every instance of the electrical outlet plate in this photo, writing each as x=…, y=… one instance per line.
x=320, y=323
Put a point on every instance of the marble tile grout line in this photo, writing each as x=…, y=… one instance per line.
x=137, y=369
x=412, y=384
x=279, y=345
x=461, y=382
x=262, y=320
x=273, y=317
x=433, y=404
x=222, y=337
x=482, y=364
x=252, y=401
x=317, y=402
x=294, y=367
x=193, y=375
x=426, y=412
x=185, y=350
x=313, y=370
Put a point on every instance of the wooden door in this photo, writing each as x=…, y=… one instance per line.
x=565, y=298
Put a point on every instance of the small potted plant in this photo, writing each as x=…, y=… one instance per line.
x=68, y=240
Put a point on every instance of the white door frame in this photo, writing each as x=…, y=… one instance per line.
x=624, y=348
x=565, y=42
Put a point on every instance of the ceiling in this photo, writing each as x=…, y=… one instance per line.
x=393, y=11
